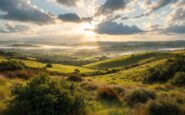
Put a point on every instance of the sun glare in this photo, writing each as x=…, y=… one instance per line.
x=87, y=30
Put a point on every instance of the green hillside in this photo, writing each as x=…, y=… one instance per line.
x=127, y=77
x=129, y=60
x=118, y=86
x=55, y=68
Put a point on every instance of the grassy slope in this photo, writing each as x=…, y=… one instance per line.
x=121, y=62
x=126, y=77
x=5, y=90
x=56, y=67
x=2, y=59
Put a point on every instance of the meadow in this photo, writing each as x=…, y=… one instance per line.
x=123, y=91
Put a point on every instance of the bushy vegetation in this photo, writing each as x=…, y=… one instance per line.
x=88, y=86
x=179, y=79
x=75, y=78
x=108, y=94
x=45, y=96
x=164, y=107
x=138, y=96
x=11, y=66
x=49, y=65
x=166, y=71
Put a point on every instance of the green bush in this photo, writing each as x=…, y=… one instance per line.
x=163, y=107
x=75, y=78
x=45, y=96
x=49, y=65
x=166, y=71
x=76, y=71
x=12, y=66
x=179, y=79
x=88, y=86
x=119, y=90
x=139, y=96
x=108, y=94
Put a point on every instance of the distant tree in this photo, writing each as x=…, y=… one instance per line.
x=49, y=65
x=77, y=71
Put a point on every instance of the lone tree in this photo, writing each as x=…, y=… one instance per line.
x=49, y=65
x=45, y=96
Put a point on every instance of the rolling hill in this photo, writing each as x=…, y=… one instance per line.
x=128, y=60
x=55, y=67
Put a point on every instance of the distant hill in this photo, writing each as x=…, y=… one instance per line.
x=129, y=60
x=24, y=45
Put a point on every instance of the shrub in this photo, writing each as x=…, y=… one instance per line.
x=119, y=90
x=45, y=96
x=77, y=71
x=163, y=107
x=166, y=71
x=49, y=65
x=11, y=66
x=88, y=86
x=179, y=79
x=108, y=94
x=155, y=74
x=139, y=96
x=75, y=78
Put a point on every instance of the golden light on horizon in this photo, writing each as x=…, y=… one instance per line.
x=87, y=30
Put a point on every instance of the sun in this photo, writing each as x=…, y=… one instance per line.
x=87, y=29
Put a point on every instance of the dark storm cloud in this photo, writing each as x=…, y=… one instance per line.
x=72, y=17
x=22, y=10
x=68, y=2
x=112, y=5
x=179, y=29
x=10, y=28
x=113, y=28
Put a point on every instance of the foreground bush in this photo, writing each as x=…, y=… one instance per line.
x=11, y=66
x=108, y=94
x=164, y=107
x=45, y=96
x=179, y=79
x=139, y=96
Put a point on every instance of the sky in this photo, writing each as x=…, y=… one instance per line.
x=92, y=20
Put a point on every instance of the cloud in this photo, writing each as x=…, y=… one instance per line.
x=10, y=28
x=68, y=2
x=111, y=6
x=150, y=7
x=177, y=15
x=113, y=28
x=72, y=17
x=23, y=10
x=179, y=29
x=175, y=21
x=153, y=6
